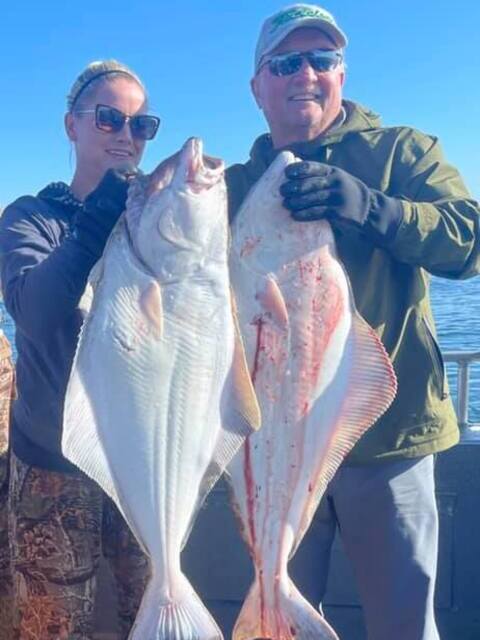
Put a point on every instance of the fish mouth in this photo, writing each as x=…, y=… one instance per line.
x=201, y=172
x=193, y=148
x=189, y=169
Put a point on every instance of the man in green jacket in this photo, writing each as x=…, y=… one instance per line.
x=399, y=213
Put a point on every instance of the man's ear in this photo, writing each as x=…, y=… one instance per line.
x=255, y=91
x=70, y=128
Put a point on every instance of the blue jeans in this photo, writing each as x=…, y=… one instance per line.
x=388, y=522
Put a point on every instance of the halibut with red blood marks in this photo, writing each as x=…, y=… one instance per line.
x=322, y=378
x=160, y=397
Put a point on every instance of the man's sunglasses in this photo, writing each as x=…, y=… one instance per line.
x=285, y=64
x=111, y=120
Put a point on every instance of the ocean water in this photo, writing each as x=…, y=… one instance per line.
x=456, y=306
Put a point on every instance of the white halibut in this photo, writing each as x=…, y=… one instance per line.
x=321, y=376
x=159, y=397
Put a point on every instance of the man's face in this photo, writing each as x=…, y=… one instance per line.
x=301, y=106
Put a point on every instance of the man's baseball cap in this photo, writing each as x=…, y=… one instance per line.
x=280, y=24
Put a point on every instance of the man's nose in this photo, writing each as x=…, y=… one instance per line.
x=306, y=69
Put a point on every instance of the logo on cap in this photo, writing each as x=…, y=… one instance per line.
x=302, y=12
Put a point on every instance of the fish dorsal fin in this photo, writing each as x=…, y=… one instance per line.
x=245, y=396
x=80, y=441
x=372, y=387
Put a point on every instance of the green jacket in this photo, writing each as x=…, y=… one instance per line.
x=440, y=234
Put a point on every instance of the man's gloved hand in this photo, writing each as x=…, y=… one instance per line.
x=102, y=208
x=314, y=190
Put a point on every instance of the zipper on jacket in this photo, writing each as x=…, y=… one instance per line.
x=437, y=358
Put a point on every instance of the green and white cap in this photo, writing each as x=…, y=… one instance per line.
x=280, y=24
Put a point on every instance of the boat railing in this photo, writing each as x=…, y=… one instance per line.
x=463, y=360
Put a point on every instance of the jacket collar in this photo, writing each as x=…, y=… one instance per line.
x=354, y=118
x=60, y=193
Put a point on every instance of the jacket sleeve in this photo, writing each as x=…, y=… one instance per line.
x=238, y=185
x=440, y=230
x=43, y=276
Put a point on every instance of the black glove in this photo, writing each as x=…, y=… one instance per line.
x=102, y=208
x=314, y=190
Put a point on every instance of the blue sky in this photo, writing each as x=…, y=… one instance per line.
x=414, y=62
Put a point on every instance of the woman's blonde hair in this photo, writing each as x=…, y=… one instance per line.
x=93, y=75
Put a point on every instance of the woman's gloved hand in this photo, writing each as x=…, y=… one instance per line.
x=102, y=208
x=314, y=191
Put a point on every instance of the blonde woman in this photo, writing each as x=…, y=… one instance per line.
x=48, y=244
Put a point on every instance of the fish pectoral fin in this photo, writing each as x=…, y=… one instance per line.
x=152, y=307
x=273, y=302
x=246, y=402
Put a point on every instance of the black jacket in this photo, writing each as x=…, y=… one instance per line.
x=44, y=271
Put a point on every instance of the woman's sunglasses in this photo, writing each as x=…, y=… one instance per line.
x=111, y=120
x=286, y=64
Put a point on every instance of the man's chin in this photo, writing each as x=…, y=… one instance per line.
x=298, y=132
x=306, y=116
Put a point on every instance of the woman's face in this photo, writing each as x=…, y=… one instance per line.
x=97, y=151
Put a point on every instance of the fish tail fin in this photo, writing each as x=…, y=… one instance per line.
x=287, y=617
x=180, y=615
